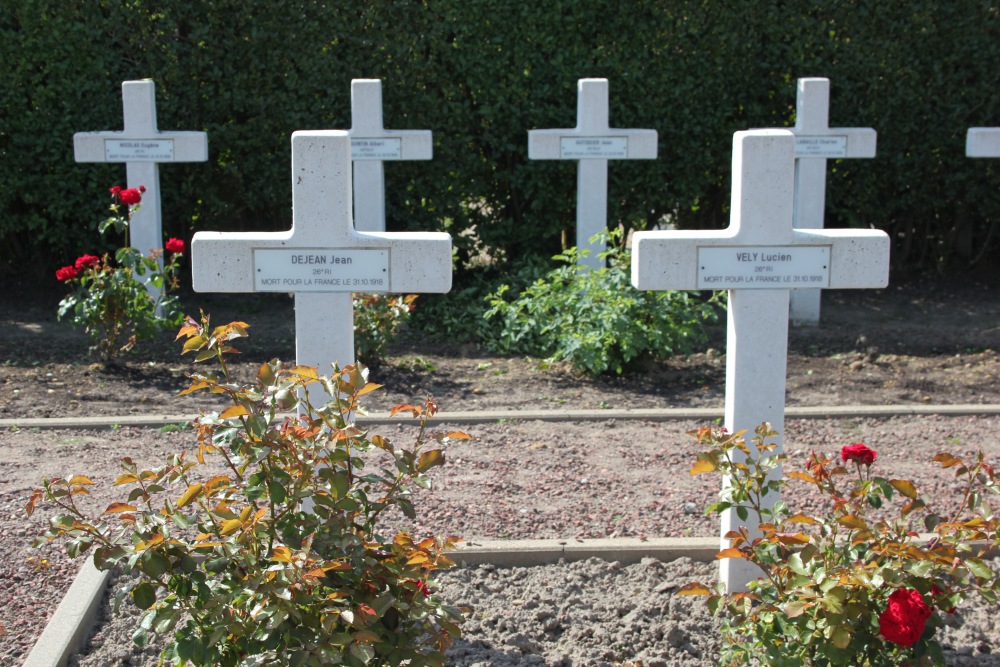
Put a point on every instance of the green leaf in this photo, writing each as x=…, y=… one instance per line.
x=978, y=568
x=154, y=564
x=362, y=652
x=276, y=490
x=143, y=595
x=841, y=636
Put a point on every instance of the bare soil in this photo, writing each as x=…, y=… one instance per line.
x=916, y=343
x=904, y=345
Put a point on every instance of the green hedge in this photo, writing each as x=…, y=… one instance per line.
x=480, y=74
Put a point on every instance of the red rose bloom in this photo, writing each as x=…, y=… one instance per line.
x=174, y=245
x=66, y=273
x=903, y=620
x=115, y=190
x=859, y=453
x=83, y=261
x=142, y=188
x=130, y=196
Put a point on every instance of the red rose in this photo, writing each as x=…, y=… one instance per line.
x=142, y=188
x=115, y=190
x=859, y=453
x=130, y=196
x=83, y=261
x=903, y=620
x=174, y=245
x=66, y=273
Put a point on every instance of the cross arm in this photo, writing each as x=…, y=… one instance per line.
x=669, y=260
x=548, y=144
x=417, y=261
x=982, y=142
x=184, y=146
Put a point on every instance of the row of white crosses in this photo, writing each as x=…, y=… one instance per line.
x=142, y=147
x=760, y=258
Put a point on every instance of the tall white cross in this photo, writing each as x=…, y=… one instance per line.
x=322, y=259
x=592, y=143
x=371, y=144
x=815, y=143
x=982, y=142
x=142, y=147
x=759, y=258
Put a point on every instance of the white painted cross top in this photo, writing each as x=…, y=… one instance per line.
x=758, y=258
x=815, y=143
x=321, y=259
x=142, y=147
x=371, y=145
x=982, y=142
x=592, y=143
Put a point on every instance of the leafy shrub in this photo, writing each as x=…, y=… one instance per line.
x=596, y=319
x=377, y=320
x=852, y=586
x=110, y=300
x=281, y=559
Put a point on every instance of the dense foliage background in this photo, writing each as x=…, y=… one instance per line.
x=480, y=74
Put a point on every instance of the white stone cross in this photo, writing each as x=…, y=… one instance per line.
x=815, y=143
x=982, y=142
x=592, y=143
x=758, y=258
x=321, y=259
x=371, y=144
x=142, y=147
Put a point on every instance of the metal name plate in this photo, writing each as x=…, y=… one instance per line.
x=320, y=270
x=763, y=267
x=377, y=149
x=825, y=147
x=582, y=148
x=139, y=150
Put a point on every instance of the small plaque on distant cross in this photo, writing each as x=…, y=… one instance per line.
x=389, y=148
x=825, y=147
x=763, y=267
x=138, y=150
x=601, y=148
x=320, y=269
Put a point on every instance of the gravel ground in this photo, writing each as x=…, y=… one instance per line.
x=518, y=480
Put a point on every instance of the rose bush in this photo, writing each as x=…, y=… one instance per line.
x=280, y=559
x=109, y=298
x=857, y=585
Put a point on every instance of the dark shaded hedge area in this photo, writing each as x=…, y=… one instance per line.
x=480, y=74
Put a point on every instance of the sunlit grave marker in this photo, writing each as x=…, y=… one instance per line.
x=815, y=143
x=371, y=145
x=322, y=259
x=982, y=142
x=759, y=258
x=142, y=147
x=592, y=143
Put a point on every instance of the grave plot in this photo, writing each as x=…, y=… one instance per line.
x=815, y=143
x=322, y=259
x=759, y=259
x=371, y=146
x=142, y=147
x=592, y=143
